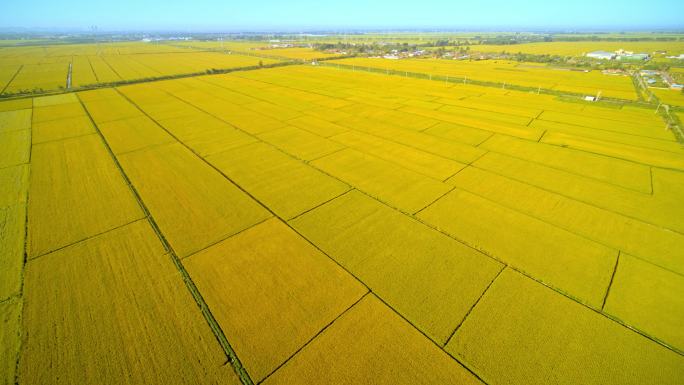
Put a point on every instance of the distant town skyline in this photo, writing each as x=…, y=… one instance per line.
x=269, y=15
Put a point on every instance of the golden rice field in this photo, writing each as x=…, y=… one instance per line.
x=259, y=48
x=26, y=69
x=579, y=48
x=534, y=75
x=667, y=96
x=310, y=225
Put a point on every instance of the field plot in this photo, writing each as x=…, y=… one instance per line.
x=500, y=71
x=130, y=295
x=308, y=224
x=671, y=97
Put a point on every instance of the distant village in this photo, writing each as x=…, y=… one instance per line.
x=623, y=55
x=660, y=79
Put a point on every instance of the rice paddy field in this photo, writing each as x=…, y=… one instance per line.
x=259, y=48
x=534, y=75
x=308, y=224
x=667, y=96
x=579, y=48
x=46, y=68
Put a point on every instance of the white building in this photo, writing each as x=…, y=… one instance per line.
x=602, y=55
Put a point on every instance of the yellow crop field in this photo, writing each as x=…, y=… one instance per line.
x=62, y=129
x=259, y=49
x=579, y=48
x=12, y=222
x=13, y=185
x=194, y=205
x=421, y=162
x=656, y=209
x=299, y=53
x=305, y=223
x=13, y=120
x=75, y=187
x=48, y=68
x=641, y=291
x=368, y=340
x=10, y=339
x=408, y=268
x=399, y=187
x=652, y=243
x=131, y=134
x=130, y=293
x=578, y=267
x=512, y=73
x=287, y=186
x=16, y=145
x=554, y=335
x=54, y=112
x=310, y=292
x=300, y=143
x=610, y=170
x=671, y=97
x=607, y=139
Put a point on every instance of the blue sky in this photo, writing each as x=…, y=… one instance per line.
x=226, y=15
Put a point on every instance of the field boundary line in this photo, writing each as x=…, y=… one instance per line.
x=566, y=230
x=619, y=158
x=322, y=203
x=212, y=244
x=391, y=142
x=15, y=165
x=612, y=277
x=345, y=311
x=20, y=294
x=185, y=276
x=576, y=174
x=541, y=136
x=110, y=67
x=92, y=69
x=579, y=200
x=414, y=147
x=637, y=136
x=484, y=140
x=11, y=79
x=62, y=139
x=473, y=306
x=650, y=174
x=136, y=61
x=117, y=227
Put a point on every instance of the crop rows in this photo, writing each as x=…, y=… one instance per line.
x=531, y=75
x=29, y=69
x=337, y=228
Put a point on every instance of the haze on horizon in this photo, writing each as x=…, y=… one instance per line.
x=270, y=15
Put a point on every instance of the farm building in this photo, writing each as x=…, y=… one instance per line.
x=602, y=55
